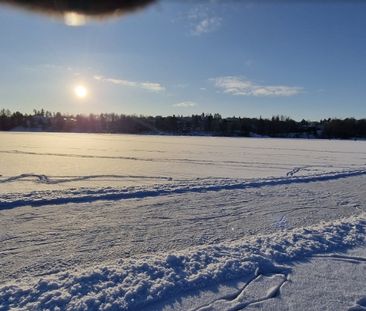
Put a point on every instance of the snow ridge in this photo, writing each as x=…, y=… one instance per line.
x=134, y=283
x=87, y=195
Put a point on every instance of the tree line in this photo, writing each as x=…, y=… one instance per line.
x=199, y=124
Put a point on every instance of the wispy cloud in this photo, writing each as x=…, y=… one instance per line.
x=235, y=85
x=186, y=104
x=150, y=86
x=203, y=21
x=206, y=25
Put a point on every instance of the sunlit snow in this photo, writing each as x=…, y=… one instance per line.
x=129, y=222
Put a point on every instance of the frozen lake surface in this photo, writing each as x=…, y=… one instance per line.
x=160, y=223
x=57, y=161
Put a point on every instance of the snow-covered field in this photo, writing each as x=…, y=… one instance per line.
x=124, y=222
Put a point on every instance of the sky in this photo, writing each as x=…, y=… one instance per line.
x=303, y=59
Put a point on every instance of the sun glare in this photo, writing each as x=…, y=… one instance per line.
x=80, y=91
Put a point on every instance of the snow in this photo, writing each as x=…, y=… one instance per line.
x=39, y=198
x=335, y=281
x=125, y=160
x=124, y=222
x=134, y=283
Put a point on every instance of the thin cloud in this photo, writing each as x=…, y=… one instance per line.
x=243, y=87
x=206, y=25
x=149, y=86
x=186, y=104
x=203, y=21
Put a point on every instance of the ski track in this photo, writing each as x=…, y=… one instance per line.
x=87, y=195
x=262, y=286
x=295, y=170
x=162, y=239
x=269, y=284
x=44, y=179
x=134, y=283
x=206, y=162
x=163, y=160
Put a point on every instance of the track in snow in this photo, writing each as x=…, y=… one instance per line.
x=85, y=195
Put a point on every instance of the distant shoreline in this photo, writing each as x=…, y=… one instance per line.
x=195, y=125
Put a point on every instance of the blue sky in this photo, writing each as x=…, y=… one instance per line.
x=304, y=60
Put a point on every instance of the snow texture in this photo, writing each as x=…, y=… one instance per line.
x=125, y=222
x=82, y=195
x=134, y=283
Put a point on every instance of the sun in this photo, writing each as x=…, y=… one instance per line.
x=80, y=91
